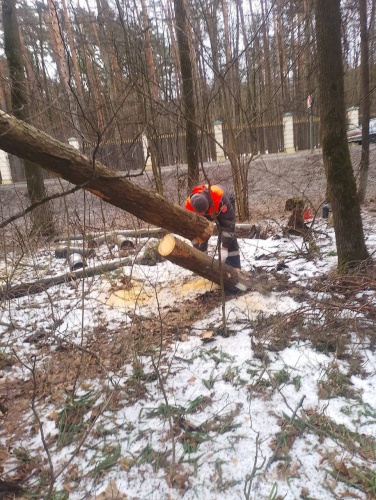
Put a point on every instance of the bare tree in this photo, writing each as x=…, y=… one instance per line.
x=66, y=76
x=42, y=217
x=365, y=100
x=151, y=100
x=341, y=185
x=189, y=104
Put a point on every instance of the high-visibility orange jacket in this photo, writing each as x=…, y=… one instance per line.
x=221, y=203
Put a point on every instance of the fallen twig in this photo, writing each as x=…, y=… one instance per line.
x=279, y=441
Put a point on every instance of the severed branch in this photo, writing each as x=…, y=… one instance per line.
x=40, y=286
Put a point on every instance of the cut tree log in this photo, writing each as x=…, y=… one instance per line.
x=130, y=233
x=184, y=255
x=112, y=238
x=98, y=238
x=42, y=285
x=95, y=240
x=63, y=252
x=25, y=141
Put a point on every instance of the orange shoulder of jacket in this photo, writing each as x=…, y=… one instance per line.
x=188, y=205
x=217, y=190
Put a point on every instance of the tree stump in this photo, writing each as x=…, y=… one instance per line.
x=296, y=224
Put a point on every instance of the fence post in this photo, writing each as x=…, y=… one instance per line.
x=218, y=136
x=352, y=117
x=147, y=156
x=73, y=141
x=288, y=133
x=6, y=175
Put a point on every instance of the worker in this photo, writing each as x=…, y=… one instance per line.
x=216, y=203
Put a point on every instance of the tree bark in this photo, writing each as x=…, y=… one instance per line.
x=151, y=232
x=151, y=98
x=167, y=10
x=267, y=58
x=25, y=141
x=62, y=65
x=341, y=188
x=178, y=252
x=42, y=217
x=189, y=105
x=77, y=76
x=88, y=61
x=365, y=100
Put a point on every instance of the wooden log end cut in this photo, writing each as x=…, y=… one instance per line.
x=166, y=245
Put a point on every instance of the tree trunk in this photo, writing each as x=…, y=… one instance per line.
x=46, y=87
x=25, y=141
x=63, y=252
x=189, y=105
x=42, y=216
x=267, y=58
x=93, y=81
x=342, y=194
x=151, y=97
x=365, y=100
x=112, y=75
x=178, y=252
x=167, y=10
x=96, y=239
x=62, y=65
x=239, y=174
x=280, y=47
x=73, y=55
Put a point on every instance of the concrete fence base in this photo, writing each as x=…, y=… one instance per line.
x=6, y=176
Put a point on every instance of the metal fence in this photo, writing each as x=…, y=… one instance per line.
x=302, y=133
x=119, y=156
x=18, y=172
x=257, y=139
x=128, y=155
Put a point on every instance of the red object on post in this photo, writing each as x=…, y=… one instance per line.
x=307, y=214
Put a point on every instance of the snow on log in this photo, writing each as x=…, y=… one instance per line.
x=25, y=141
x=184, y=255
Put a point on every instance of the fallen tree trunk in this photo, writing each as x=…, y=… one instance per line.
x=200, y=263
x=40, y=286
x=130, y=233
x=63, y=252
x=114, y=237
x=97, y=238
x=25, y=141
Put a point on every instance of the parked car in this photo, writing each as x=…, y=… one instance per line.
x=354, y=134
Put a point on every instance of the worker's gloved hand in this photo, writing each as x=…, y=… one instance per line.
x=224, y=254
x=197, y=242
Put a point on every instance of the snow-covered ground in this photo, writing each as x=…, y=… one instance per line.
x=261, y=412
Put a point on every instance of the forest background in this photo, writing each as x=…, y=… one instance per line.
x=109, y=73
